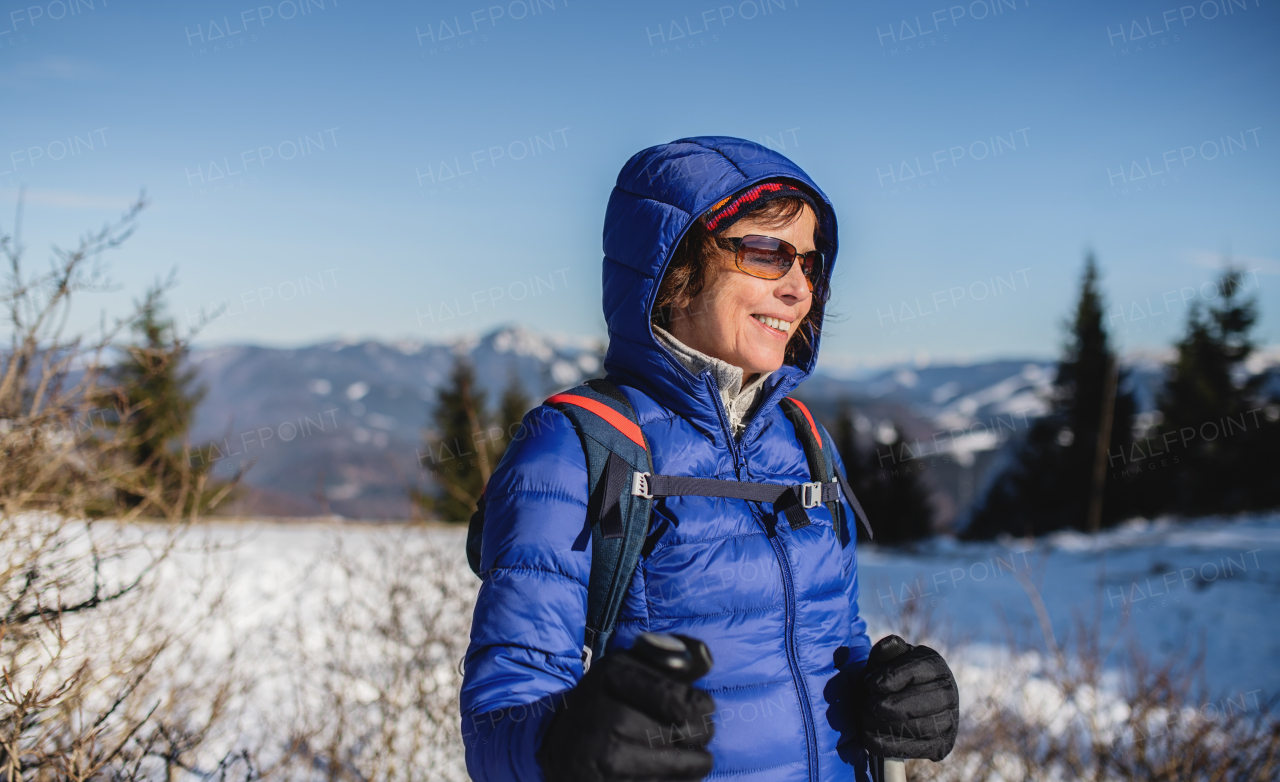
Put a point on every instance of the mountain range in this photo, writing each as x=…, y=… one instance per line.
x=340, y=427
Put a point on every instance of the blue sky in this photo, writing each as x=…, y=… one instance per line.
x=418, y=171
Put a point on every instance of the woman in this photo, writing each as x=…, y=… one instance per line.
x=718, y=256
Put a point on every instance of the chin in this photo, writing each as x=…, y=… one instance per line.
x=764, y=364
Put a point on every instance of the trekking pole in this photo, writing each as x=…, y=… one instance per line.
x=893, y=769
x=888, y=769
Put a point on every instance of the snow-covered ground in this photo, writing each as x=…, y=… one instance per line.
x=1171, y=588
x=1161, y=588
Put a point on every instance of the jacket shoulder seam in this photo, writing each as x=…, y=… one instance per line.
x=731, y=611
x=559, y=494
x=488, y=574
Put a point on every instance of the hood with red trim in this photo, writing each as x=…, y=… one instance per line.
x=659, y=193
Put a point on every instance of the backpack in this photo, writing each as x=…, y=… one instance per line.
x=621, y=489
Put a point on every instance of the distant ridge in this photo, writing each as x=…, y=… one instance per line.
x=338, y=427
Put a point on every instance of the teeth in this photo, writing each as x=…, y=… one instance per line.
x=777, y=324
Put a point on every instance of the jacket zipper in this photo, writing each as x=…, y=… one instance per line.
x=793, y=658
x=714, y=389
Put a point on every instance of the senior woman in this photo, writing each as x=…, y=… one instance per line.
x=718, y=259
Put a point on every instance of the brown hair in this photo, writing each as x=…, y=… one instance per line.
x=686, y=274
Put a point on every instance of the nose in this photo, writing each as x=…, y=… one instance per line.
x=793, y=286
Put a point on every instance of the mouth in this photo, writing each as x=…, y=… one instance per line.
x=776, y=325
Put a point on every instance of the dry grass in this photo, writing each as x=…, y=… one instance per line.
x=1095, y=706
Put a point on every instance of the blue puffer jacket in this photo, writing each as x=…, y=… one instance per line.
x=780, y=613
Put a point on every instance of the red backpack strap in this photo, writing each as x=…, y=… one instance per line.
x=618, y=421
x=822, y=464
x=817, y=435
x=615, y=451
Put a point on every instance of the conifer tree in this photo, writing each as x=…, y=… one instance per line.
x=1056, y=473
x=892, y=492
x=899, y=495
x=461, y=452
x=511, y=410
x=1214, y=426
x=154, y=394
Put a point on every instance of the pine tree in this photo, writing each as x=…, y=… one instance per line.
x=515, y=403
x=899, y=495
x=1058, y=476
x=1213, y=423
x=893, y=494
x=154, y=395
x=461, y=451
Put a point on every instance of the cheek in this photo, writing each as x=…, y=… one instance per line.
x=724, y=301
x=748, y=294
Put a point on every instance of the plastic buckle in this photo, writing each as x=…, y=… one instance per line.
x=640, y=485
x=811, y=494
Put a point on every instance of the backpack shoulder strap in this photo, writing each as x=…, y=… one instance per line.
x=475, y=534
x=822, y=464
x=615, y=449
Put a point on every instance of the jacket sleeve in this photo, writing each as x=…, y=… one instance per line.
x=530, y=615
x=860, y=647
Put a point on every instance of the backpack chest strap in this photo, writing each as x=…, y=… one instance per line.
x=791, y=499
x=810, y=494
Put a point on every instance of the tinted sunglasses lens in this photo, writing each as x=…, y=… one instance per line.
x=811, y=265
x=766, y=257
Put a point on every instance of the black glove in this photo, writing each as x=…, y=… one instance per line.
x=907, y=702
x=635, y=716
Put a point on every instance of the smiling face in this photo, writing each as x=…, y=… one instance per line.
x=744, y=320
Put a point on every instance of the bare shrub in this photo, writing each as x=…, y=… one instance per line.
x=378, y=674
x=97, y=670
x=1061, y=713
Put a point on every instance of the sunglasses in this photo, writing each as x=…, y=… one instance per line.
x=771, y=259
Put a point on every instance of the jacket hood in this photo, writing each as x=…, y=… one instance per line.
x=658, y=195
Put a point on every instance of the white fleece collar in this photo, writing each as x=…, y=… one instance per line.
x=739, y=400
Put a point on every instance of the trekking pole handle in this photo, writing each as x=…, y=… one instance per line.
x=684, y=659
x=895, y=769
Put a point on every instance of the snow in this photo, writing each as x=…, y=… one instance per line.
x=1172, y=588
x=1175, y=588
x=1168, y=587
